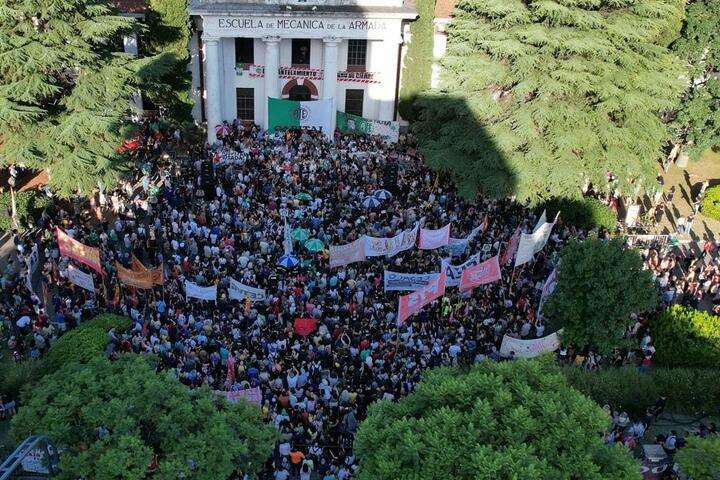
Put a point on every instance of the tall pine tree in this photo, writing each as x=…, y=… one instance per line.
x=65, y=89
x=540, y=97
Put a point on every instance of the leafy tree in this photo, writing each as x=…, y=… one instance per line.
x=710, y=206
x=64, y=89
x=29, y=206
x=567, y=91
x=169, y=33
x=685, y=337
x=600, y=283
x=697, y=124
x=700, y=458
x=514, y=420
x=109, y=418
x=418, y=61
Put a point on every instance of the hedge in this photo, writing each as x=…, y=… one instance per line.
x=29, y=206
x=710, y=206
x=80, y=344
x=685, y=337
x=585, y=213
x=688, y=390
x=417, y=66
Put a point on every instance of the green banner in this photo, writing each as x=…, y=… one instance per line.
x=348, y=123
x=292, y=114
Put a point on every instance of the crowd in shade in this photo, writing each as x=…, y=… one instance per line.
x=320, y=344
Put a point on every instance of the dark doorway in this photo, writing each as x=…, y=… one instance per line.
x=299, y=93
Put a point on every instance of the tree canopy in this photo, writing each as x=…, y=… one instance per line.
x=510, y=420
x=545, y=96
x=110, y=418
x=697, y=124
x=600, y=284
x=65, y=90
x=700, y=458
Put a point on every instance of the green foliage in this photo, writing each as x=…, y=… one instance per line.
x=685, y=337
x=710, y=206
x=169, y=35
x=15, y=376
x=29, y=206
x=688, y=390
x=510, y=420
x=83, y=343
x=417, y=66
x=700, y=458
x=64, y=89
x=600, y=283
x=697, y=122
x=555, y=92
x=586, y=213
x=109, y=418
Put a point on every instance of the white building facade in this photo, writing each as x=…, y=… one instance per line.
x=345, y=50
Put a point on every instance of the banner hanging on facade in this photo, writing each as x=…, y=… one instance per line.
x=485, y=272
x=292, y=114
x=454, y=273
x=239, y=291
x=530, y=348
x=431, y=239
x=413, y=302
x=80, y=278
x=348, y=123
x=346, y=254
x=203, y=293
x=407, y=281
x=71, y=248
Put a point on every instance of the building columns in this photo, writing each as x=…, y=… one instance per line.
x=389, y=72
x=213, y=91
x=272, y=64
x=330, y=70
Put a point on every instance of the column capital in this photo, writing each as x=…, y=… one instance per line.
x=332, y=41
x=271, y=40
x=210, y=39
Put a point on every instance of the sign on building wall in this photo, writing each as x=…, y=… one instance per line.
x=300, y=26
x=348, y=123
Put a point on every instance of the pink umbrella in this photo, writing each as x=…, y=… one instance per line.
x=222, y=130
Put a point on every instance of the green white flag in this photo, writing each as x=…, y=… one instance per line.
x=348, y=123
x=291, y=114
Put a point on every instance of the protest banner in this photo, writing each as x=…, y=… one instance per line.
x=139, y=279
x=456, y=246
x=532, y=243
x=304, y=326
x=31, y=263
x=413, y=302
x=485, y=272
x=203, y=293
x=80, y=278
x=157, y=274
x=453, y=272
x=346, y=254
x=252, y=395
x=387, y=130
x=406, y=281
x=511, y=248
x=287, y=239
x=431, y=239
x=239, y=291
x=71, y=248
x=529, y=348
x=631, y=216
x=548, y=288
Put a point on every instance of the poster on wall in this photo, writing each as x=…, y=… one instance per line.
x=349, y=123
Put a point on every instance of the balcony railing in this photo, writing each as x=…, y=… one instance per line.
x=258, y=71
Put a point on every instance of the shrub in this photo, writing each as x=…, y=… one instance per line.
x=710, y=206
x=29, y=206
x=685, y=337
x=688, y=391
x=585, y=213
x=108, y=321
x=14, y=376
x=700, y=458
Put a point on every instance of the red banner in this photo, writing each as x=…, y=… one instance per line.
x=79, y=252
x=485, y=272
x=305, y=326
x=158, y=278
x=413, y=302
x=512, y=247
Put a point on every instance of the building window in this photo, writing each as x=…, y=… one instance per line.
x=354, y=101
x=244, y=51
x=246, y=103
x=357, y=54
x=300, y=52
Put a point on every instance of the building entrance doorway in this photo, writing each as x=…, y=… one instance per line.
x=299, y=93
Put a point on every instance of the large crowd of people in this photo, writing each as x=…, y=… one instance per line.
x=315, y=387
